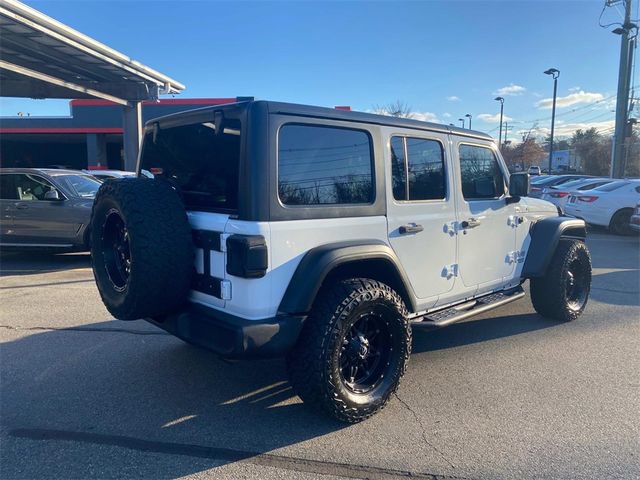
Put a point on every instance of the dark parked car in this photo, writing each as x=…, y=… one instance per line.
x=45, y=208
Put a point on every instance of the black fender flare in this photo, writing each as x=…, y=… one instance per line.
x=320, y=261
x=545, y=235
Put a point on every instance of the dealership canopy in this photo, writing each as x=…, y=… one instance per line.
x=43, y=58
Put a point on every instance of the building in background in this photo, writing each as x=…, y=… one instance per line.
x=90, y=137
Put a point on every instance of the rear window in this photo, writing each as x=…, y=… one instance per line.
x=610, y=187
x=324, y=165
x=202, y=165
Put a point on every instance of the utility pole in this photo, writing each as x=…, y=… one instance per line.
x=506, y=132
x=622, y=102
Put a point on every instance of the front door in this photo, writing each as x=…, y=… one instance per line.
x=486, y=222
x=38, y=221
x=421, y=213
x=8, y=196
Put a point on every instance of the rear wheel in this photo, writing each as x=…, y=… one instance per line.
x=562, y=293
x=353, y=349
x=141, y=248
x=620, y=222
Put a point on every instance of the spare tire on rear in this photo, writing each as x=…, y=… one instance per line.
x=141, y=247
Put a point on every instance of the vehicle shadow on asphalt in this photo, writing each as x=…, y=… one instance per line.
x=146, y=391
x=477, y=330
x=30, y=263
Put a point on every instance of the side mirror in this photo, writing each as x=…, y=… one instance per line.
x=52, y=195
x=518, y=185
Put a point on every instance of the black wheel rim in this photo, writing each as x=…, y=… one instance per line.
x=116, y=250
x=366, y=352
x=576, y=285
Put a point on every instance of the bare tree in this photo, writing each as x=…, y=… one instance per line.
x=394, y=109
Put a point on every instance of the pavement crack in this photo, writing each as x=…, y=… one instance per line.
x=84, y=329
x=424, y=431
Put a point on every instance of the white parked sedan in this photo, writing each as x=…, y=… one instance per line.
x=559, y=194
x=610, y=205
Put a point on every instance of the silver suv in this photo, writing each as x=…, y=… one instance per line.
x=326, y=236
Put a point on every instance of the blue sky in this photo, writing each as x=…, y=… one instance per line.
x=443, y=59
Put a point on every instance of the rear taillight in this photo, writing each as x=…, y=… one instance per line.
x=587, y=198
x=559, y=194
x=535, y=189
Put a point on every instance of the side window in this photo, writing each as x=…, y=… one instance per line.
x=398, y=169
x=31, y=187
x=324, y=165
x=7, y=187
x=480, y=172
x=417, y=166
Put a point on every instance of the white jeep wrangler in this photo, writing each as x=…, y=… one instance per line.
x=325, y=235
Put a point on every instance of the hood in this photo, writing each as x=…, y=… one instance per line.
x=536, y=205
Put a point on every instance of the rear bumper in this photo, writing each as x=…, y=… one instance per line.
x=230, y=336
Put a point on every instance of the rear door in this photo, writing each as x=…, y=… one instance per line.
x=420, y=211
x=203, y=165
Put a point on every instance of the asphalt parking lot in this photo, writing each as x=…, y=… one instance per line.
x=504, y=395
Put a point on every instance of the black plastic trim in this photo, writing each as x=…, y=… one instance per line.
x=231, y=336
x=545, y=235
x=318, y=263
x=207, y=284
x=207, y=239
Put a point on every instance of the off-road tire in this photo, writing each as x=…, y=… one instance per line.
x=314, y=363
x=620, y=222
x=160, y=245
x=550, y=294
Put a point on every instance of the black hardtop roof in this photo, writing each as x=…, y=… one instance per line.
x=322, y=112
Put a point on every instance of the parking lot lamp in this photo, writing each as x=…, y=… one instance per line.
x=461, y=120
x=468, y=115
x=501, y=100
x=555, y=73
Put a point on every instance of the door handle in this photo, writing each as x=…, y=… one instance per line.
x=22, y=206
x=414, y=228
x=470, y=223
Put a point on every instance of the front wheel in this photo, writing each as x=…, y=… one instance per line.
x=353, y=349
x=562, y=293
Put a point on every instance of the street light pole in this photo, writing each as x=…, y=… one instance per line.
x=468, y=115
x=501, y=100
x=555, y=73
x=461, y=120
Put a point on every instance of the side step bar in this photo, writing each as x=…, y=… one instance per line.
x=447, y=316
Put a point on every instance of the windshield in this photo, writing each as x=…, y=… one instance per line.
x=79, y=185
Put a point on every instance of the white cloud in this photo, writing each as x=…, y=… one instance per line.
x=511, y=89
x=574, y=89
x=453, y=98
x=446, y=115
x=571, y=99
x=493, y=118
x=425, y=117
